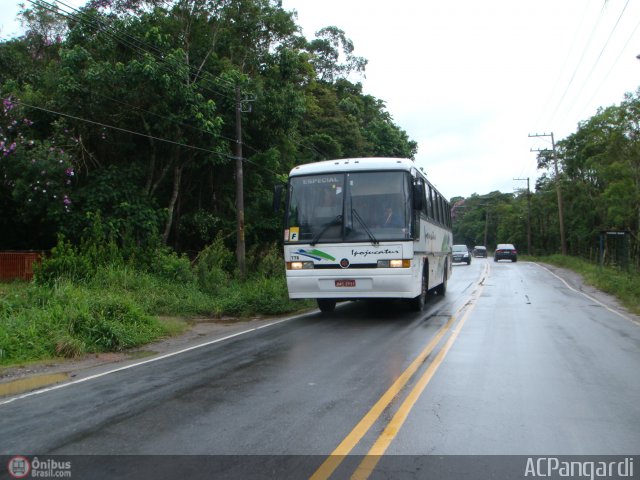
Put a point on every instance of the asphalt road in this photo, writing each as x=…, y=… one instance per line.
x=512, y=361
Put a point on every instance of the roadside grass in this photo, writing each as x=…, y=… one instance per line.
x=120, y=307
x=100, y=297
x=623, y=285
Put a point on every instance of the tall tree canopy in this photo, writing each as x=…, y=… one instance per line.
x=126, y=108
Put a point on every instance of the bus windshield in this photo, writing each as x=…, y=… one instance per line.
x=350, y=207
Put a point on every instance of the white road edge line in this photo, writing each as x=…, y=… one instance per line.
x=588, y=296
x=151, y=360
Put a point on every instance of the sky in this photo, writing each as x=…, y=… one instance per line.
x=470, y=81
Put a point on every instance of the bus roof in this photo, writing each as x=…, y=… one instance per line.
x=354, y=164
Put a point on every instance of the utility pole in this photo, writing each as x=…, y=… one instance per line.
x=487, y=215
x=528, y=214
x=563, y=241
x=486, y=226
x=240, y=246
x=242, y=105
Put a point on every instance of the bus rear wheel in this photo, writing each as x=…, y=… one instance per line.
x=441, y=289
x=326, y=304
x=418, y=303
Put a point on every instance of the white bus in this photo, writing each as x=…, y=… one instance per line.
x=365, y=228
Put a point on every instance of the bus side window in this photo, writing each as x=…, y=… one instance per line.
x=445, y=212
x=429, y=202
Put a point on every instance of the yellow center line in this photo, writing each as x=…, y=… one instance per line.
x=378, y=449
x=351, y=440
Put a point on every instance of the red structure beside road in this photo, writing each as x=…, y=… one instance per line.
x=17, y=265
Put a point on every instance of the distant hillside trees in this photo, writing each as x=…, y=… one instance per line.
x=599, y=174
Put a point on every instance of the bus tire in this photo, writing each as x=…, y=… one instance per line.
x=418, y=303
x=441, y=289
x=326, y=305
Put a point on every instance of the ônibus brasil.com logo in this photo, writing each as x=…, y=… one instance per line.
x=20, y=467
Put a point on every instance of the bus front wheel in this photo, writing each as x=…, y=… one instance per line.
x=326, y=304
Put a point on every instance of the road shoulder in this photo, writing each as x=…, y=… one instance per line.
x=576, y=281
x=19, y=379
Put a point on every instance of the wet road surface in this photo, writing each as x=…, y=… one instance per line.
x=512, y=361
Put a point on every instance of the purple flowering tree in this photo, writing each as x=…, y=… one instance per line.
x=36, y=181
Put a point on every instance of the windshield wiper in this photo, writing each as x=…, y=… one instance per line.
x=335, y=221
x=357, y=216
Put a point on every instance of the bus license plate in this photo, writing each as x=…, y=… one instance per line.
x=345, y=283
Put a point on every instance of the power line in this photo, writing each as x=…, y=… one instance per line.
x=160, y=56
x=113, y=127
x=563, y=242
x=586, y=80
x=566, y=61
x=135, y=43
x=124, y=38
x=575, y=71
x=622, y=51
x=55, y=9
x=176, y=122
x=113, y=33
x=138, y=45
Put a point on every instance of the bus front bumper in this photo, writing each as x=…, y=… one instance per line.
x=353, y=284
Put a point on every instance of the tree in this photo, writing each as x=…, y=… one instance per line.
x=36, y=181
x=143, y=92
x=331, y=44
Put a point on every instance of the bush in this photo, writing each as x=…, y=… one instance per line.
x=114, y=324
x=214, y=266
x=69, y=347
x=171, y=266
x=264, y=296
x=77, y=264
x=103, y=323
x=81, y=302
x=267, y=296
x=269, y=264
x=65, y=263
x=211, y=280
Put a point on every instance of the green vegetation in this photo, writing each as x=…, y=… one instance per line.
x=117, y=130
x=128, y=110
x=82, y=302
x=622, y=284
x=599, y=179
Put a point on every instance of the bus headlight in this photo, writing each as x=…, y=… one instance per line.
x=394, y=263
x=299, y=265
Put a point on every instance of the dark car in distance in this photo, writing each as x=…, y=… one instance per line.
x=505, y=251
x=461, y=254
x=480, y=251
